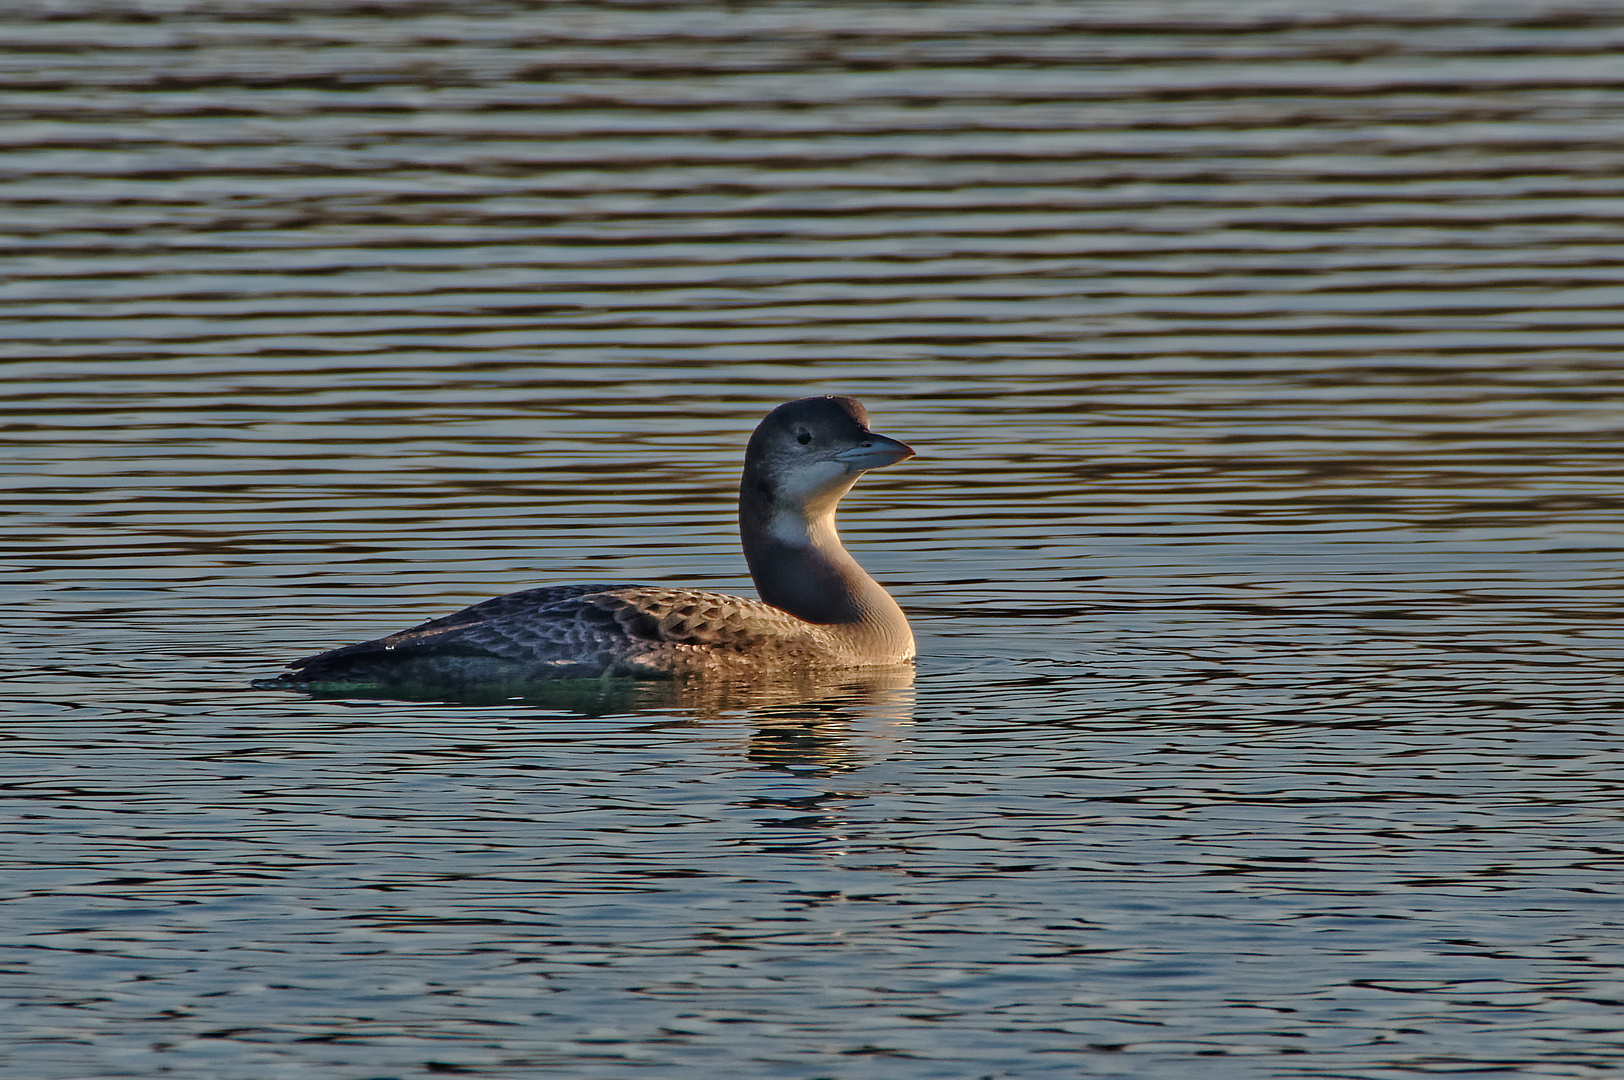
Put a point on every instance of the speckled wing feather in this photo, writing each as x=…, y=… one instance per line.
x=690, y=630
x=574, y=631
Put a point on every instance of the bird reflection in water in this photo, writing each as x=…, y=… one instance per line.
x=806, y=721
x=822, y=727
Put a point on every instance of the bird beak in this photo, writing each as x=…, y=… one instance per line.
x=875, y=452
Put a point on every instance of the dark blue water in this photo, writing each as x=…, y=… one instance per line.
x=1264, y=549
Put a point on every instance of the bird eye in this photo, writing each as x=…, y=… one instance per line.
x=803, y=437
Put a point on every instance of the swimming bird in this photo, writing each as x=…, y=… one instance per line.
x=817, y=606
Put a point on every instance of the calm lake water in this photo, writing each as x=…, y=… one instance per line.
x=1265, y=548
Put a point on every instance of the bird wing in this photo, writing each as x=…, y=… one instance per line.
x=583, y=629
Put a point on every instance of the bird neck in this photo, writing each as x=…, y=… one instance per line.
x=800, y=566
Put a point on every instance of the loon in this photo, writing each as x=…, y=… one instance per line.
x=817, y=607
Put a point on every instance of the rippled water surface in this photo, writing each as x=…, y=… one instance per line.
x=1264, y=548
